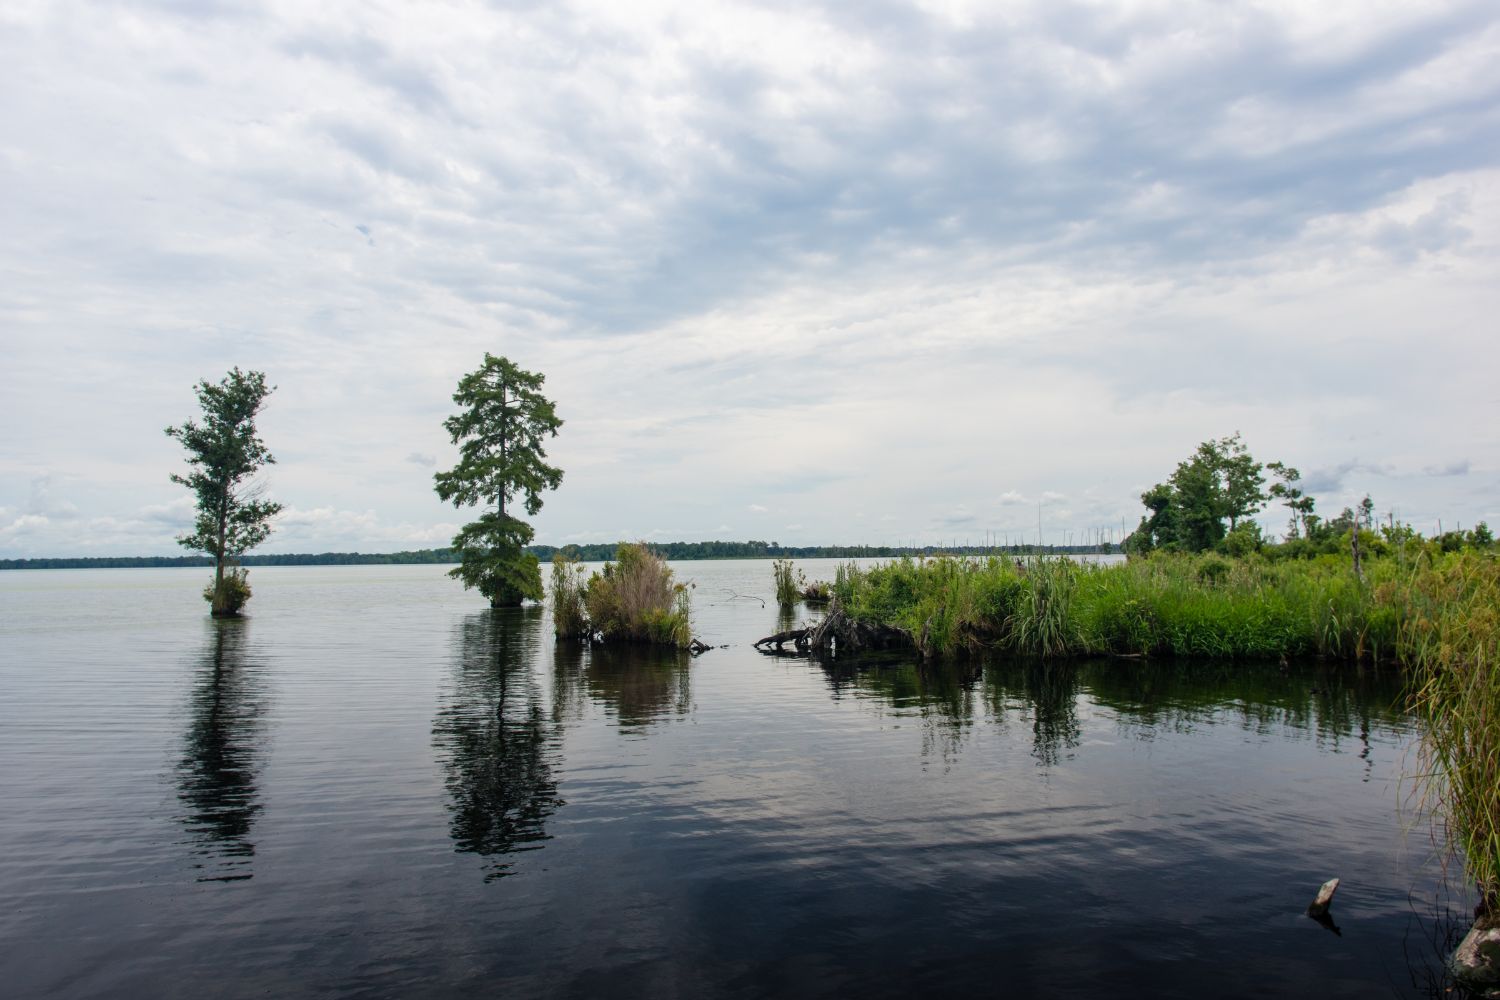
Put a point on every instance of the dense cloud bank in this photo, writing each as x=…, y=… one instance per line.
x=879, y=274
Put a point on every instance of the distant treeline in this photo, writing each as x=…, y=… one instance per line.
x=598, y=552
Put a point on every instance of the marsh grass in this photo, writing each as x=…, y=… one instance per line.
x=789, y=583
x=1162, y=606
x=570, y=618
x=1450, y=637
x=633, y=599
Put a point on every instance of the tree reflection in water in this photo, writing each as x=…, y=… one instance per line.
x=636, y=684
x=1146, y=698
x=495, y=742
x=939, y=695
x=639, y=684
x=222, y=751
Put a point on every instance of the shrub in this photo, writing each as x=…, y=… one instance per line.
x=227, y=600
x=817, y=592
x=634, y=599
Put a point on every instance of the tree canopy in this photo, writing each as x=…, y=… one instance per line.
x=500, y=429
x=1221, y=482
x=225, y=451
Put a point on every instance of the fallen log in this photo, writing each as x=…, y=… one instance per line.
x=839, y=635
x=796, y=635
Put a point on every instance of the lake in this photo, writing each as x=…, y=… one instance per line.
x=375, y=786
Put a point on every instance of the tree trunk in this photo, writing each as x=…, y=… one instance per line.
x=216, y=607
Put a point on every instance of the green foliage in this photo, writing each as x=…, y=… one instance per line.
x=569, y=616
x=1450, y=633
x=1165, y=605
x=225, y=452
x=632, y=599
x=1043, y=624
x=493, y=560
x=500, y=432
x=228, y=595
x=1287, y=491
x=817, y=592
x=1243, y=540
x=1220, y=482
x=789, y=583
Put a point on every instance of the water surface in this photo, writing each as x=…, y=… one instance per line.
x=374, y=786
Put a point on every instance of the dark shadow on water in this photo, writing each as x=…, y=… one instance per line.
x=222, y=753
x=498, y=746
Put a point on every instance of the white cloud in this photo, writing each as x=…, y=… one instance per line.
x=828, y=257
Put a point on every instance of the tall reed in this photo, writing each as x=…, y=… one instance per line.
x=788, y=583
x=1451, y=638
x=569, y=617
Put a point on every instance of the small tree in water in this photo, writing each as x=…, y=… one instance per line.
x=225, y=452
x=499, y=432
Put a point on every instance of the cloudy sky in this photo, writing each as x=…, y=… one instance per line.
x=873, y=272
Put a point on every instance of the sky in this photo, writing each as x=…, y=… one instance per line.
x=874, y=273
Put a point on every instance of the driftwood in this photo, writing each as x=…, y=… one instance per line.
x=838, y=634
x=1319, y=906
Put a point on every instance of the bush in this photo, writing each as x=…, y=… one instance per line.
x=633, y=599
x=1242, y=541
x=817, y=592
x=231, y=595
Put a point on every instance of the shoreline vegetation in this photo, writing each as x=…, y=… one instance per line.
x=1427, y=607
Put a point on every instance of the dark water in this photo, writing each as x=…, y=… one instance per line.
x=377, y=787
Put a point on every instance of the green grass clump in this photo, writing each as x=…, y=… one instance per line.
x=789, y=584
x=1450, y=636
x=570, y=618
x=1177, y=605
x=632, y=599
x=228, y=599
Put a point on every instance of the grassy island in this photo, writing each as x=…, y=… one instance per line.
x=632, y=599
